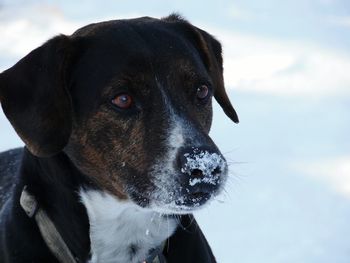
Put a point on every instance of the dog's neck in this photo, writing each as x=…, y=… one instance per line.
x=121, y=231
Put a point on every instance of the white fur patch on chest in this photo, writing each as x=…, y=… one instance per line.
x=120, y=231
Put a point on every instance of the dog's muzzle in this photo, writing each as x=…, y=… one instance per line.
x=196, y=175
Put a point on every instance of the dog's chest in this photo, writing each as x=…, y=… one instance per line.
x=122, y=232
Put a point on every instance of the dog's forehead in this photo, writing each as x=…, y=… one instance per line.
x=143, y=41
x=141, y=51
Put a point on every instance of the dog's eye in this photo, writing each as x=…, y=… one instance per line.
x=123, y=101
x=202, y=92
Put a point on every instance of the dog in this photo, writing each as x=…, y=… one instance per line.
x=115, y=120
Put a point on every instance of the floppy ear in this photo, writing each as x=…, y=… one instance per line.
x=211, y=49
x=35, y=100
x=211, y=53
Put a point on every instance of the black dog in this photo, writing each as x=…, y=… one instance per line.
x=115, y=119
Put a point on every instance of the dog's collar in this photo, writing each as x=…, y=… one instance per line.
x=47, y=228
x=54, y=240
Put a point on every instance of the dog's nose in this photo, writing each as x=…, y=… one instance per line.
x=203, y=170
x=201, y=164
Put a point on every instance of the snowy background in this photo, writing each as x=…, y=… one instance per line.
x=287, y=69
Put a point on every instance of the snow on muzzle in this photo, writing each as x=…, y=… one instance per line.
x=203, y=173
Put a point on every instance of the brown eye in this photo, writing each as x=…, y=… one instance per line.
x=123, y=101
x=202, y=92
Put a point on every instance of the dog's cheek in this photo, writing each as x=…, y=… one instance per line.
x=207, y=123
x=205, y=117
x=104, y=148
x=89, y=160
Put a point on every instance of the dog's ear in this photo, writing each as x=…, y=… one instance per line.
x=211, y=53
x=34, y=98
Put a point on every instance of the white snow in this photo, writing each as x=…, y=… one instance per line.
x=203, y=161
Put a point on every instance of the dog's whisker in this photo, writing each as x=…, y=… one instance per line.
x=219, y=200
x=168, y=226
x=229, y=152
x=232, y=163
x=179, y=220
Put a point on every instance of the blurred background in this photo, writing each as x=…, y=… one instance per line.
x=287, y=71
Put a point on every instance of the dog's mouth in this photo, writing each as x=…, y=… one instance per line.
x=180, y=200
x=181, y=205
x=193, y=200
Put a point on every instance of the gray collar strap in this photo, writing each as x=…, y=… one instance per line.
x=48, y=231
x=54, y=240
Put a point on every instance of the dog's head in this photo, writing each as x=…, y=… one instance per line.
x=129, y=102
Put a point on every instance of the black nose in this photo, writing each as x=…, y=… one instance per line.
x=201, y=163
x=202, y=169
